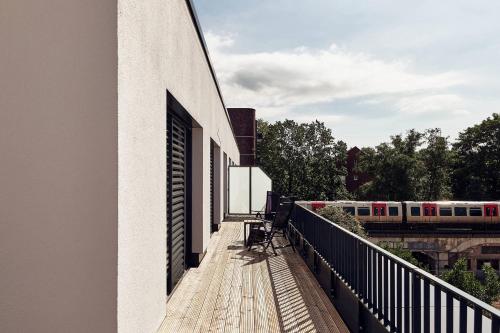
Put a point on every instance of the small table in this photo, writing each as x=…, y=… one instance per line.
x=250, y=223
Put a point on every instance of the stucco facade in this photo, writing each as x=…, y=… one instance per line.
x=83, y=104
x=159, y=50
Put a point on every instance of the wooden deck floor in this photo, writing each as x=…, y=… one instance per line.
x=235, y=290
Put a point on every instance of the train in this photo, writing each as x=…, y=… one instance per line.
x=415, y=211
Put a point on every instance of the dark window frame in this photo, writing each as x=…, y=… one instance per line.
x=460, y=211
x=414, y=210
x=391, y=211
x=445, y=209
x=364, y=210
x=350, y=210
x=475, y=209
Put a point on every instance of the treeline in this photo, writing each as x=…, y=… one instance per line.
x=307, y=161
x=303, y=160
x=426, y=166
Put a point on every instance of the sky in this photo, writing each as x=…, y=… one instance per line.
x=367, y=69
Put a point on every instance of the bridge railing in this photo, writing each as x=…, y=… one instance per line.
x=372, y=287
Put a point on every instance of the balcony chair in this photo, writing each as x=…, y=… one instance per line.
x=263, y=233
x=272, y=202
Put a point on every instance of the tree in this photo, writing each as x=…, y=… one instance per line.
x=405, y=254
x=303, y=160
x=461, y=278
x=491, y=284
x=395, y=169
x=488, y=291
x=436, y=158
x=476, y=156
x=345, y=220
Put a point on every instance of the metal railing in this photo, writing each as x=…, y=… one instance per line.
x=401, y=296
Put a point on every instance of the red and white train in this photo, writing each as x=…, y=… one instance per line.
x=415, y=211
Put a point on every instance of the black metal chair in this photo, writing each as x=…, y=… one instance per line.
x=265, y=232
x=272, y=202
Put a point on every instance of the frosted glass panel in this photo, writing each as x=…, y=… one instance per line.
x=261, y=183
x=239, y=190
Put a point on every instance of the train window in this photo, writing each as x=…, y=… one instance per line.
x=350, y=210
x=393, y=211
x=475, y=212
x=415, y=211
x=445, y=211
x=460, y=211
x=363, y=211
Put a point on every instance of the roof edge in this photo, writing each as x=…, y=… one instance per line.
x=199, y=31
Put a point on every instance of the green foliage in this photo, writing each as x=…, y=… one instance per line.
x=491, y=284
x=403, y=253
x=460, y=277
x=303, y=160
x=411, y=167
x=476, y=157
x=436, y=159
x=345, y=220
x=396, y=169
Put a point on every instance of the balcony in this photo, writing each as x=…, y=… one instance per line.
x=335, y=282
x=249, y=291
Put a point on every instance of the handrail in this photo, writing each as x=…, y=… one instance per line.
x=370, y=269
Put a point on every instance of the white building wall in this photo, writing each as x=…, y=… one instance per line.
x=58, y=166
x=159, y=49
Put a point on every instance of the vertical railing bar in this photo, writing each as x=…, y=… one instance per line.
x=379, y=286
x=342, y=256
x=392, y=299
x=357, y=267
x=399, y=301
x=386, y=290
x=406, y=300
x=495, y=324
x=416, y=298
x=463, y=316
x=478, y=320
x=449, y=312
x=427, y=306
x=364, y=270
x=369, y=290
x=437, y=309
x=354, y=264
x=374, y=280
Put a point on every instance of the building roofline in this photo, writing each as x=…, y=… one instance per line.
x=199, y=31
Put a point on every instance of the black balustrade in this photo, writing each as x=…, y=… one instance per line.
x=398, y=295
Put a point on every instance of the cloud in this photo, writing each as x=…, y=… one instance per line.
x=277, y=82
x=439, y=103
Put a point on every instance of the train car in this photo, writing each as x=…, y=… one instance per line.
x=415, y=211
x=364, y=211
x=378, y=211
x=451, y=211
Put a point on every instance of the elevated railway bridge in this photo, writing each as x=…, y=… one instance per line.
x=440, y=245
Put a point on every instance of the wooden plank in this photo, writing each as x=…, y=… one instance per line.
x=288, y=302
x=272, y=311
x=260, y=310
x=211, y=294
x=232, y=320
x=235, y=290
x=193, y=312
x=246, y=308
x=222, y=302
